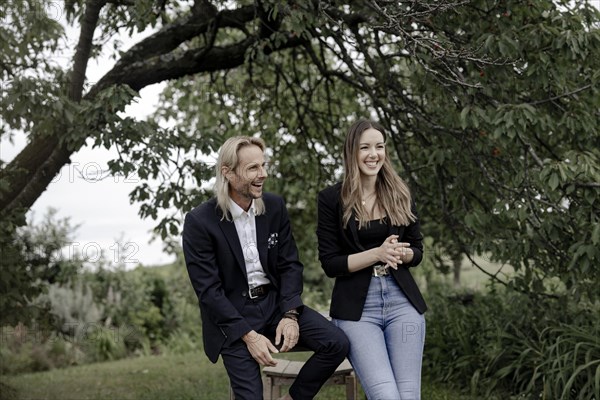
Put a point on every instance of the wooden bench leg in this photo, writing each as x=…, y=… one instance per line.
x=267, y=388
x=275, y=391
x=351, y=388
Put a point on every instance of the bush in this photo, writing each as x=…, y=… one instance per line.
x=506, y=342
x=32, y=258
x=562, y=363
x=138, y=300
x=102, y=343
x=73, y=308
x=33, y=349
x=181, y=342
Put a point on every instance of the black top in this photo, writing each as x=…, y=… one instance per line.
x=373, y=234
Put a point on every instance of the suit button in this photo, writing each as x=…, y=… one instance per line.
x=244, y=293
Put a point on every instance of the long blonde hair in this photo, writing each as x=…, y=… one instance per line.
x=393, y=195
x=228, y=157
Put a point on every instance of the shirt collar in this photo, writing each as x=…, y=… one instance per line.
x=237, y=211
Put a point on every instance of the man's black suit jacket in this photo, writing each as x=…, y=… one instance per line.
x=215, y=264
x=336, y=244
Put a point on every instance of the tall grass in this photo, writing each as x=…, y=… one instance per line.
x=563, y=363
x=504, y=342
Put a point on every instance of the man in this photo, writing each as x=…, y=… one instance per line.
x=243, y=264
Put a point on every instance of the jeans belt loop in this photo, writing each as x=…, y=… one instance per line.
x=380, y=270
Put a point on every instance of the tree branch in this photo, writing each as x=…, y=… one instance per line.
x=150, y=61
x=35, y=166
x=166, y=67
x=568, y=94
x=171, y=36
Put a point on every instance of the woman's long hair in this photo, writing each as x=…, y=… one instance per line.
x=393, y=195
x=228, y=157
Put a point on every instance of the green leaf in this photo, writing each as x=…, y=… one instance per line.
x=463, y=117
x=553, y=181
x=596, y=234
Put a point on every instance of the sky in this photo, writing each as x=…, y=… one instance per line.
x=100, y=208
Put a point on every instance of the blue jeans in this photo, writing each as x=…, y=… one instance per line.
x=386, y=344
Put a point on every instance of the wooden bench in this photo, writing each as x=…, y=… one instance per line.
x=286, y=371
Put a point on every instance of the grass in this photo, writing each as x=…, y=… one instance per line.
x=174, y=377
x=471, y=278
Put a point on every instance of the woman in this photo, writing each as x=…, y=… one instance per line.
x=369, y=237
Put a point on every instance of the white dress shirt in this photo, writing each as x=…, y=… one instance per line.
x=245, y=225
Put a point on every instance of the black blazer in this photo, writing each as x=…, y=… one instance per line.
x=336, y=244
x=215, y=264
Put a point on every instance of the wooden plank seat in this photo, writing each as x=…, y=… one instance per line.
x=286, y=371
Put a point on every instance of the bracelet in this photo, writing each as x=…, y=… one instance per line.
x=292, y=314
x=290, y=317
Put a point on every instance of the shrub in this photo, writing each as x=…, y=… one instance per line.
x=562, y=362
x=181, y=342
x=506, y=342
x=103, y=344
x=32, y=258
x=27, y=349
x=74, y=308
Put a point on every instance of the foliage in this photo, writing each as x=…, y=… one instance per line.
x=78, y=319
x=491, y=107
x=561, y=363
x=74, y=316
x=184, y=313
x=526, y=126
x=135, y=302
x=30, y=349
x=502, y=342
x=74, y=308
x=180, y=342
x=32, y=257
x=491, y=110
x=89, y=325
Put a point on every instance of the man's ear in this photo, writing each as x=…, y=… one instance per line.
x=226, y=172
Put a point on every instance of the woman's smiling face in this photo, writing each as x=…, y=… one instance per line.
x=371, y=152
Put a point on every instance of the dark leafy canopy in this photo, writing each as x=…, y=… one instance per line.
x=492, y=105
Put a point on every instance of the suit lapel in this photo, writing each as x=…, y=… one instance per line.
x=353, y=230
x=262, y=233
x=228, y=228
x=354, y=233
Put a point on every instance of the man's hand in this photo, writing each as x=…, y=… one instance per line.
x=290, y=330
x=260, y=348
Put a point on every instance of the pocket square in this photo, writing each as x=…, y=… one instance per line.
x=272, y=241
